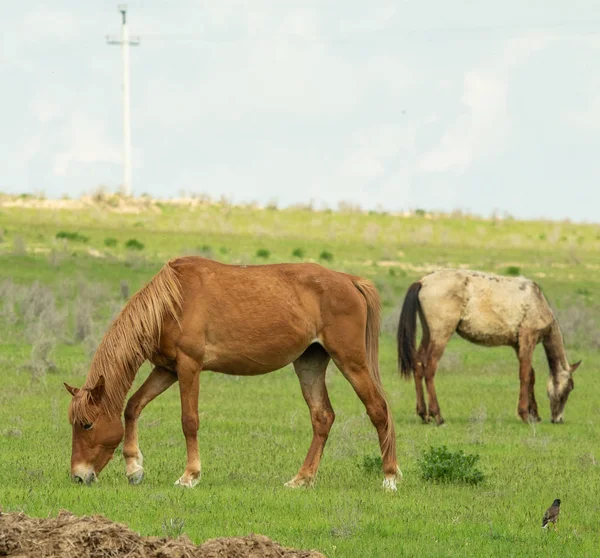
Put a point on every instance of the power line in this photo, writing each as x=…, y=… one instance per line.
x=357, y=35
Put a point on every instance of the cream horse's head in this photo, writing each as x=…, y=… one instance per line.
x=559, y=387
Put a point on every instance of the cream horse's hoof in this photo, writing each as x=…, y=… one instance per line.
x=389, y=482
x=188, y=481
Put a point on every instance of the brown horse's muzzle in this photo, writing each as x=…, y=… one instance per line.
x=83, y=475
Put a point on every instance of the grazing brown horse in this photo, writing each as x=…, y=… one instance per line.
x=488, y=310
x=197, y=314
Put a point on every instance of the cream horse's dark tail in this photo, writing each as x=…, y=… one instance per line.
x=407, y=331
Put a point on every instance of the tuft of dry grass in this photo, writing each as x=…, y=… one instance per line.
x=83, y=319
x=124, y=290
x=19, y=247
x=476, y=425
x=41, y=352
x=579, y=325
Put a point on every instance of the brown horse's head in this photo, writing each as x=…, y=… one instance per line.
x=559, y=388
x=96, y=434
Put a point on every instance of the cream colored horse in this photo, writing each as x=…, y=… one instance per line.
x=489, y=310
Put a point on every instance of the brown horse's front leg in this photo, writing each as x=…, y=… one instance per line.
x=188, y=372
x=158, y=381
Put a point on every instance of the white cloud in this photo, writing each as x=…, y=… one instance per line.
x=479, y=131
x=483, y=129
x=88, y=142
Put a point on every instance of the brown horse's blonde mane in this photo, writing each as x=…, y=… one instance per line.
x=131, y=339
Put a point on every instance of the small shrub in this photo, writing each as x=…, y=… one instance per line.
x=72, y=236
x=543, y=236
x=298, y=253
x=263, y=253
x=442, y=465
x=205, y=250
x=173, y=527
x=513, y=271
x=372, y=463
x=326, y=256
x=110, y=242
x=134, y=244
x=223, y=250
x=420, y=212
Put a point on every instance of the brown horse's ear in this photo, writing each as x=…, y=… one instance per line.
x=575, y=366
x=98, y=390
x=72, y=390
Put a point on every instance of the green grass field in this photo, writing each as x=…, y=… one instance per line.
x=57, y=296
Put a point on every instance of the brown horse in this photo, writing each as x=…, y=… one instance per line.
x=197, y=314
x=489, y=310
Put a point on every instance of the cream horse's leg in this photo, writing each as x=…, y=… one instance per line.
x=156, y=383
x=525, y=353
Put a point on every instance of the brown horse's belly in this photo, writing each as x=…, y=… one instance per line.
x=247, y=362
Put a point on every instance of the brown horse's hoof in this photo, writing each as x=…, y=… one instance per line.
x=136, y=477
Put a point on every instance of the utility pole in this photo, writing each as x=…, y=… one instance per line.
x=125, y=42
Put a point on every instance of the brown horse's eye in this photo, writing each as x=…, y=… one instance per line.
x=88, y=426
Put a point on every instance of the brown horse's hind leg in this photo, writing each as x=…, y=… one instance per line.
x=156, y=383
x=311, y=368
x=351, y=360
x=188, y=373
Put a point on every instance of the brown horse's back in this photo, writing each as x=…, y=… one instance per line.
x=256, y=319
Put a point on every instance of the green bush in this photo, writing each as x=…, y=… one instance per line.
x=134, y=244
x=73, y=236
x=325, y=255
x=263, y=253
x=442, y=465
x=110, y=242
x=298, y=253
x=372, y=463
x=513, y=271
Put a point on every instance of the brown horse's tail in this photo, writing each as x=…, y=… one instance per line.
x=368, y=290
x=407, y=331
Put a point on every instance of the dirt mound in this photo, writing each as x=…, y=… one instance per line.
x=69, y=536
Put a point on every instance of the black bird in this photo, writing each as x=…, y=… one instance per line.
x=551, y=514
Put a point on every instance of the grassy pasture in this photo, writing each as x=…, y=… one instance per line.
x=57, y=296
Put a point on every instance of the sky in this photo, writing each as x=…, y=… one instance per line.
x=480, y=106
